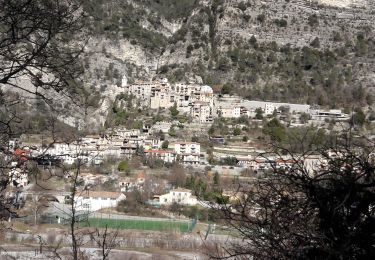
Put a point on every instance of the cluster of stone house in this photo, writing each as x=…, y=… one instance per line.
x=117, y=143
x=203, y=105
x=184, y=152
x=17, y=175
x=311, y=163
x=196, y=100
x=96, y=200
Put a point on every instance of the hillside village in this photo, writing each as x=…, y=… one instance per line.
x=198, y=102
x=182, y=129
x=156, y=145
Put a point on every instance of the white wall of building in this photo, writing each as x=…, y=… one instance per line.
x=294, y=108
x=187, y=148
x=201, y=112
x=163, y=155
x=179, y=196
x=18, y=178
x=96, y=200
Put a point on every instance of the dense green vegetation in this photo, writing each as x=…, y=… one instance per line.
x=124, y=112
x=298, y=139
x=306, y=75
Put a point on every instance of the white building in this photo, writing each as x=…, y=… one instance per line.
x=164, y=155
x=269, y=108
x=184, y=89
x=161, y=94
x=187, y=148
x=180, y=196
x=314, y=163
x=162, y=97
x=188, y=158
x=201, y=112
x=68, y=153
x=329, y=114
x=204, y=94
x=229, y=111
x=12, y=144
x=152, y=143
x=60, y=149
x=251, y=105
x=18, y=178
x=96, y=200
x=142, y=90
x=188, y=152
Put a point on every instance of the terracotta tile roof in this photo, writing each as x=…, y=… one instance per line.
x=21, y=154
x=20, y=151
x=141, y=175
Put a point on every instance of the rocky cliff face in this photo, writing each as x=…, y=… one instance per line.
x=290, y=50
x=344, y=3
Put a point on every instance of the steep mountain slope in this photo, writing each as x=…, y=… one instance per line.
x=281, y=50
x=344, y=3
x=284, y=50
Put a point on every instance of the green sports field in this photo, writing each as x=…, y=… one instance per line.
x=138, y=224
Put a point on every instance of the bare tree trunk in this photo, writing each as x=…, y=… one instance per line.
x=35, y=212
x=75, y=244
x=106, y=240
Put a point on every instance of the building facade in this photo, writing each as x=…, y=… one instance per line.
x=96, y=200
x=180, y=196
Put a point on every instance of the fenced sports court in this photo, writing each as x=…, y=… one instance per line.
x=138, y=223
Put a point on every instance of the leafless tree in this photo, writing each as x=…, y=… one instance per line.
x=177, y=175
x=77, y=235
x=105, y=240
x=40, y=44
x=301, y=212
x=36, y=44
x=39, y=202
x=39, y=49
